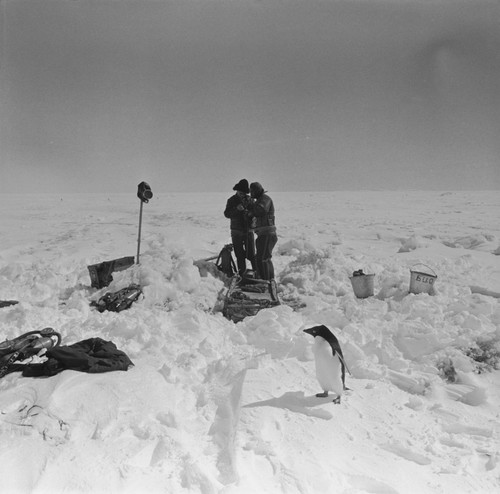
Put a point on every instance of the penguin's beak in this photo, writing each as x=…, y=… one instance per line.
x=309, y=331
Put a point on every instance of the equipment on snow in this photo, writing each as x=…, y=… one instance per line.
x=100, y=274
x=247, y=296
x=422, y=281
x=25, y=346
x=223, y=268
x=362, y=284
x=118, y=301
x=225, y=262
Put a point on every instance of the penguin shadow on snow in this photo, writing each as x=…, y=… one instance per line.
x=297, y=402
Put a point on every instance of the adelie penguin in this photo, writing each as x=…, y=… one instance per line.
x=330, y=365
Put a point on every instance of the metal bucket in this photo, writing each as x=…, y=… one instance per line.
x=362, y=285
x=422, y=282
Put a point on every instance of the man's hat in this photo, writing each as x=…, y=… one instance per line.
x=256, y=189
x=242, y=186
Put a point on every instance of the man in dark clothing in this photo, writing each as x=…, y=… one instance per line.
x=241, y=232
x=262, y=208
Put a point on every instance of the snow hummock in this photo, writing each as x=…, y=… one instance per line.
x=212, y=406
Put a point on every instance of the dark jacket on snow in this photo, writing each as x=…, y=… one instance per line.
x=93, y=356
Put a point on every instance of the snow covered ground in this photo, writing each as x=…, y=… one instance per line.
x=216, y=407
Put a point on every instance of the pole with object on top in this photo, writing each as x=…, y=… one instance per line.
x=144, y=193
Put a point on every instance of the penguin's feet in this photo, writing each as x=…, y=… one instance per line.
x=337, y=400
x=322, y=395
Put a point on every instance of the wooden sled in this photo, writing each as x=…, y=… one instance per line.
x=247, y=296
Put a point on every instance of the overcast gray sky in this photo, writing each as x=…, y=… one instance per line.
x=192, y=95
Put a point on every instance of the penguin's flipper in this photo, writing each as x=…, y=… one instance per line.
x=322, y=395
x=341, y=357
x=336, y=347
